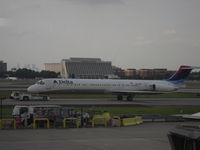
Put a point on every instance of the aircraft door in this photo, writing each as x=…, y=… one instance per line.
x=154, y=87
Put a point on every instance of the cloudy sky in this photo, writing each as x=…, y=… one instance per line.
x=130, y=33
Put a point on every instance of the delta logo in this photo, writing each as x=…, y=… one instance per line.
x=62, y=82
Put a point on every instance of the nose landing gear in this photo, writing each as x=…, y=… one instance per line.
x=119, y=97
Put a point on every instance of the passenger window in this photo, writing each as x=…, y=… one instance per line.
x=40, y=82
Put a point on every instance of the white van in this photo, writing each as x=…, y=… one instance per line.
x=18, y=110
x=23, y=96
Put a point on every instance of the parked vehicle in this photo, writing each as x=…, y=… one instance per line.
x=43, y=110
x=20, y=109
x=25, y=97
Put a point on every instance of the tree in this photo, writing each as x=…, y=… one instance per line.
x=48, y=74
x=29, y=74
x=25, y=73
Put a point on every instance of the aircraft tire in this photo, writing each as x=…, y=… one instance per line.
x=129, y=98
x=25, y=98
x=44, y=98
x=119, y=97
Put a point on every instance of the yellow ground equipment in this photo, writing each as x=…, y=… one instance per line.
x=37, y=120
x=75, y=120
x=101, y=119
x=131, y=121
x=7, y=122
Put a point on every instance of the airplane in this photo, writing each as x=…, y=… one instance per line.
x=118, y=87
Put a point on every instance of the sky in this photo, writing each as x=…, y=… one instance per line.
x=130, y=33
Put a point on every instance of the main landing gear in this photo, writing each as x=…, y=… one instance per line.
x=119, y=97
x=128, y=98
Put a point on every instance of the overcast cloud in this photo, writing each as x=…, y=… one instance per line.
x=130, y=33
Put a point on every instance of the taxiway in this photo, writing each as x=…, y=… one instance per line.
x=111, y=102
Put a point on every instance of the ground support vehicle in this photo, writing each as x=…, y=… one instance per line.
x=24, y=97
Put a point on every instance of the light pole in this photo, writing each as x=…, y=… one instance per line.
x=1, y=103
x=1, y=107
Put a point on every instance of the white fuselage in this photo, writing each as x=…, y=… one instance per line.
x=101, y=86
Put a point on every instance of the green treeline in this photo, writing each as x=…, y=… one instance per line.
x=192, y=76
x=29, y=74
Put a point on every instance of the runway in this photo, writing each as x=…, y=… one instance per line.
x=111, y=102
x=151, y=136
x=108, y=102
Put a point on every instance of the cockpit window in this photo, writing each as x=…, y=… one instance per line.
x=40, y=82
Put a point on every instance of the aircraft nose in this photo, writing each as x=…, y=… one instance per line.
x=31, y=89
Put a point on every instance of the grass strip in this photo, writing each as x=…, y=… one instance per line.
x=130, y=110
x=150, y=111
x=6, y=111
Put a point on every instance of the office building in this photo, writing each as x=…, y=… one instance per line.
x=145, y=73
x=130, y=72
x=55, y=67
x=3, y=66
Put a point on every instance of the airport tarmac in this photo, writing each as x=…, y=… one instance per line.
x=111, y=102
x=151, y=136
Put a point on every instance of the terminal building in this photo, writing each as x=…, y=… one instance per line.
x=86, y=68
x=55, y=67
x=3, y=66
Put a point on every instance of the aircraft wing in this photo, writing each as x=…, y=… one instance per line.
x=196, y=91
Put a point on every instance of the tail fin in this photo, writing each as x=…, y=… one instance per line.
x=181, y=74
